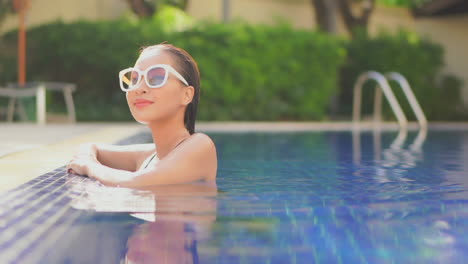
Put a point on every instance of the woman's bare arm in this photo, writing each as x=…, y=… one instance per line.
x=194, y=159
x=126, y=157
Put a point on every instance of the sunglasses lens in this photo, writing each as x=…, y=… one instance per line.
x=134, y=77
x=156, y=76
x=128, y=79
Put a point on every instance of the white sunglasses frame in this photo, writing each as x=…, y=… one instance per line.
x=168, y=68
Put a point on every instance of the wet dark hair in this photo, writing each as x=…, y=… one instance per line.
x=188, y=68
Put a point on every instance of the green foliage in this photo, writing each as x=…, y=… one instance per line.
x=172, y=19
x=248, y=72
x=85, y=53
x=420, y=61
x=263, y=73
x=403, y=3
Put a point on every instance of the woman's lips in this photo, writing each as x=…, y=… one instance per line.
x=139, y=103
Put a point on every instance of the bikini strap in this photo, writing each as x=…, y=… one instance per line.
x=154, y=155
x=149, y=161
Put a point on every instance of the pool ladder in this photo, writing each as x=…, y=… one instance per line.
x=396, y=154
x=382, y=82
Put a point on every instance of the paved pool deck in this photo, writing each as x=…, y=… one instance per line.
x=28, y=150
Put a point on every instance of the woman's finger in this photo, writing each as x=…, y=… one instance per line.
x=68, y=167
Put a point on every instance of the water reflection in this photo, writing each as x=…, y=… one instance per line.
x=394, y=160
x=396, y=154
x=175, y=218
x=183, y=216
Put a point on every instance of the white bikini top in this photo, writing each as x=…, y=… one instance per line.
x=148, y=160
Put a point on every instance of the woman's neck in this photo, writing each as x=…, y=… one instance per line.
x=167, y=135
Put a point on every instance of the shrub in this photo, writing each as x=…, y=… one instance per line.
x=420, y=61
x=264, y=73
x=248, y=72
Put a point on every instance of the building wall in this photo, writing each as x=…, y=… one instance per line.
x=44, y=11
x=391, y=19
x=206, y=9
x=450, y=31
x=298, y=13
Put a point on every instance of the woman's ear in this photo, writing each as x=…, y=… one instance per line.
x=189, y=92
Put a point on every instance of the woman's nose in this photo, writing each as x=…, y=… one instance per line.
x=141, y=87
x=140, y=90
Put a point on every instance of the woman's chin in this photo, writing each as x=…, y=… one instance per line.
x=141, y=122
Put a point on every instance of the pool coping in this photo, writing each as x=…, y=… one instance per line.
x=319, y=126
x=39, y=156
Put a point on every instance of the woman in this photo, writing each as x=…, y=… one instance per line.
x=162, y=91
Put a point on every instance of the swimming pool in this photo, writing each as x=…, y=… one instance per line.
x=296, y=197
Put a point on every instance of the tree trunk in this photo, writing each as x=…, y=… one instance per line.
x=141, y=8
x=325, y=15
x=352, y=21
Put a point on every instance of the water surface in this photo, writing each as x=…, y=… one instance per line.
x=309, y=197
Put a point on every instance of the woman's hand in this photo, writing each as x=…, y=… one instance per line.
x=83, y=160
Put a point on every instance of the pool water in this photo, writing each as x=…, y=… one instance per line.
x=304, y=197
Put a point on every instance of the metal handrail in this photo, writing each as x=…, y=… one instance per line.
x=403, y=82
x=387, y=90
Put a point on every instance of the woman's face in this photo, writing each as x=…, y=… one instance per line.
x=154, y=104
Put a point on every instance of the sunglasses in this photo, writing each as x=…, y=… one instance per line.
x=155, y=76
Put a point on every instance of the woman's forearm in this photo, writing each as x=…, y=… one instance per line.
x=128, y=179
x=88, y=149
x=109, y=176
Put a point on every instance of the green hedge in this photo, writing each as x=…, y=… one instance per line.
x=248, y=72
x=420, y=61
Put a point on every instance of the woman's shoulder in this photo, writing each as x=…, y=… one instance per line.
x=198, y=144
x=202, y=139
x=203, y=150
